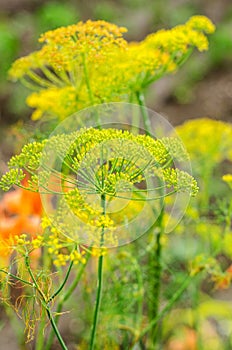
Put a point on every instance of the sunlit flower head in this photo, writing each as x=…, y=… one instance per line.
x=97, y=176
x=89, y=63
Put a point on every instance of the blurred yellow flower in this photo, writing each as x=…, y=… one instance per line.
x=207, y=139
x=89, y=63
x=228, y=179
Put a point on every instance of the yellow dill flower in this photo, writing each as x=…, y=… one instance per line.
x=61, y=260
x=228, y=179
x=22, y=66
x=103, y=221
x=57, y=102
x=37, y=242
x=94, y=34
x=206, y=140
x=100, y=165
x=178, y=41
x=61, y=249
x=99, y=251
x=65, y=47
x=140, y=63
x=201, y=23
x=45, y=222
x=78, y=257
x=173, y=40
x=90, y=63
x=22, y=240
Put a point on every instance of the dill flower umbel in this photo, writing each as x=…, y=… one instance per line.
x=88, y=63
x=208, y=143
x=96, y=176
x=207, y=139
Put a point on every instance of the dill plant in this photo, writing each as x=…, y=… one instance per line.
x=208, y=220
x=100, y=167
x=79, y=66
x=91, y=63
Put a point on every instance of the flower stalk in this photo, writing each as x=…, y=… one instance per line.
x=45, y=304
x=100, y=282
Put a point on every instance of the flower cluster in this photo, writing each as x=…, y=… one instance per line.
x=207, y=139
x=128, y=157
x=63, y=250
x=110, y=164
x=13, y=177
x=180, y=181
x=88, y=63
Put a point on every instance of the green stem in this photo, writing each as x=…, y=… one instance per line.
x=228, y=218
x=55, y=329
x=54, y=79
x=29, y=85
x=89, y=89
x=35, y=284
x=40, y=333
x=207, y=175
x=157, y=270
x=197, y=326
x=155, y=257
x=17, y=278
x=63, y=300
x=164, y=71
x=171, y=302
x=62, y=284
x=42, y=83
x=45, y=303
x=146, y=120
x=100, y=280
x=87, y=80
x=98, y=302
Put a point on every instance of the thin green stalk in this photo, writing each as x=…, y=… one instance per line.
x=98, y=302
x=36, y=286
x=29, y=85
x=228, y=218
x=63, y=300
x=155, y=257
x=207, y=175
x=55, y=329
x=146, y=120
x=155, y=263
x=89, y=89
x=45, y=303
x=40, y=332
x=62, y=284
x=100, y=280
x=163, y=71
x=87, y=80
x=139, y=314
x=38, y=80
x=169, y=305
x=196, y=298
x=17, y=278
x=53, y=78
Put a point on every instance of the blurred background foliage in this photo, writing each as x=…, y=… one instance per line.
x=202, y=88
